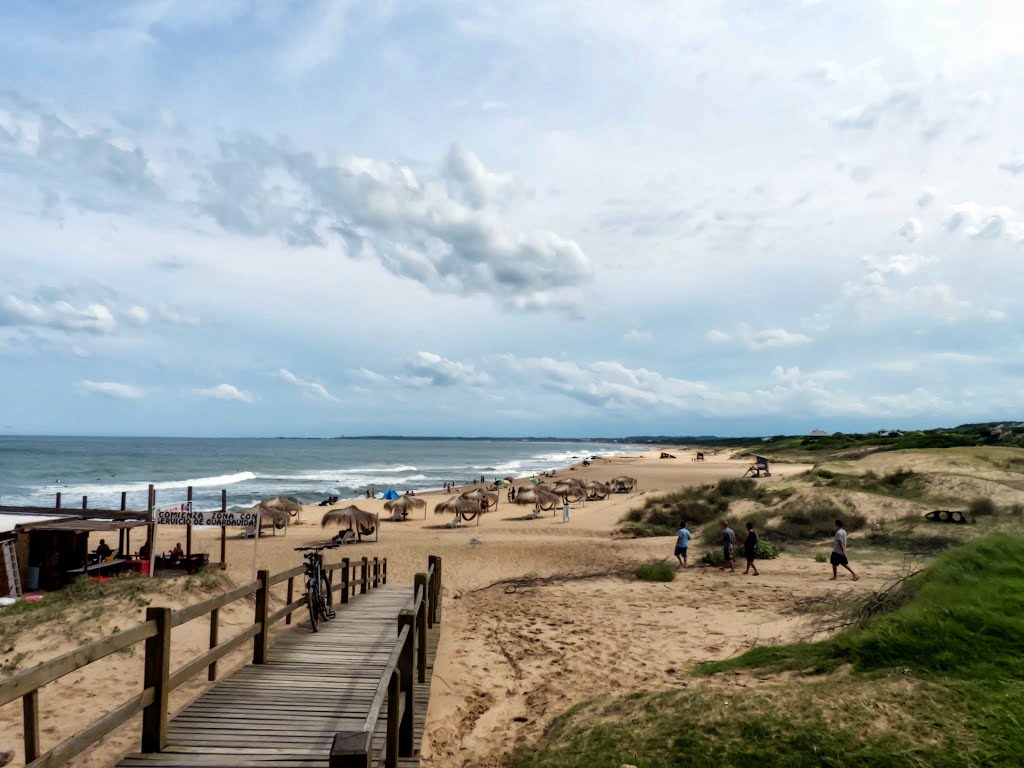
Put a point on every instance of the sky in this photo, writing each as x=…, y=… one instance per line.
x=438, y=217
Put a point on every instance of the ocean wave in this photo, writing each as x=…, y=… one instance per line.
x=104, y=489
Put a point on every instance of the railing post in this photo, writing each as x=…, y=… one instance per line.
x=362, y=578
x=351, y=749
x=420, y=585
x=344, y=579
x=155, y=674
x=407, y=618
x=435, y=601
x=291, y=596
x=30, y=719
x=211, y=673
x=394, y=722
x=376, y=573
x=261, y=642
x=384, y=579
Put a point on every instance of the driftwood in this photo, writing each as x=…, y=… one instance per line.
x=519, y=583
x=846, y=609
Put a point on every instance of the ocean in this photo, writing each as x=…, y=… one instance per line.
x=34, y=469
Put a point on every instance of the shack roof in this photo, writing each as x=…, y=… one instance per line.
x=11, y=520
x=76, y=525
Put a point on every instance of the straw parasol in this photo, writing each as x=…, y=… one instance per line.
x=403, y=505
x=541, y=497
x=596, y=490
x=571, y=492
x=478, y=495
x=623, y=483
x=462, y=508
x=353, y=518
x=284, y=503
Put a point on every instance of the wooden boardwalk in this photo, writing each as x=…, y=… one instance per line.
x=286, y=712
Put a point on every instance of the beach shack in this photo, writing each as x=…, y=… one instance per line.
x=57, y=551
x=14, y=548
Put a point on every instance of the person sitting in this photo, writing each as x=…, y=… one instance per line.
x=177, y=553
x=144, y=551
x=103, y=550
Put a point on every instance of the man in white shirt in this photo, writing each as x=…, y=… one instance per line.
x=839, y=553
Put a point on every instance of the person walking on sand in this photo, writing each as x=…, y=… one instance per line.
x=682, y=543
x=565, y=512
x=839, y=553
x=728, y=545
x=750, y=548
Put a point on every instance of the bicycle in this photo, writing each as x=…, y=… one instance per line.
x=318, y=592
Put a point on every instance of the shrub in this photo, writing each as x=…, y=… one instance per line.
x=821, y=557
x=900, y=478
x=713, y=557
x=765, y=550
x=981, y=507
x=655, y=572
x=814, y=521
x=825, y=474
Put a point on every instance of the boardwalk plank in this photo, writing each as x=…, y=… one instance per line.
x=284, y=714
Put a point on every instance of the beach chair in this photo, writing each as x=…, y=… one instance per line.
x=347, y=536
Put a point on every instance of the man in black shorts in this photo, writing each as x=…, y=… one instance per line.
x=839, y=553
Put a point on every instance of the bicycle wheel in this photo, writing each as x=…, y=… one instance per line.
x=328, y=599
x=313, y=605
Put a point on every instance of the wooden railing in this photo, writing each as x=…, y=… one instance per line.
x=406, y=666
x=158, y=680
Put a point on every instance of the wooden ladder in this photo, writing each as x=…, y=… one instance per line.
x=11, y=564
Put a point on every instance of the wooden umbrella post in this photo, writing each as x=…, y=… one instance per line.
x=188, y=528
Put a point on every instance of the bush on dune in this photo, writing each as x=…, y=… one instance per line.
x=963, y=616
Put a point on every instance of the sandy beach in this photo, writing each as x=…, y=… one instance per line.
x=508, y=661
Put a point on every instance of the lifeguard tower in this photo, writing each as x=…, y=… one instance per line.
x=759, y=468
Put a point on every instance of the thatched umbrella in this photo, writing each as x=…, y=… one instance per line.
x=284, y=503
x=403, y=505
x=623, y=483
x=354, y=519
x=542, y=498
x=597, y=491
x=462, y=508
x=269, y=516
x=571, y=492
x=488, y=498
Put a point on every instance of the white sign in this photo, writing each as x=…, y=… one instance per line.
x=182, y=514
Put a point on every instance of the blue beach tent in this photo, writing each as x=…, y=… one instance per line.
x=390, y=493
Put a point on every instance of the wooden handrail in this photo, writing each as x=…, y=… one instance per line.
x=159, y=681
x=60, y=754
x=35, y=678
x=284, y=575
x=382, y=686
x=183, y=615
x=205, y=659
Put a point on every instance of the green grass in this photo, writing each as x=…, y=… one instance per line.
x=936, y=681
x=964, y=617
x=656, y=572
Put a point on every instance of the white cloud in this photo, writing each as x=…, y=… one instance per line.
x=175, y=316
x=901, y=104
x=310, y=388
x=431, y=368
x=225, y=392
x=113, y=389
x=470, y=182
x=637, y=335
x=979, y=222
x=910, y=230
x=61, y=315
x=138, y=315
x=927, y=197
x=767, y=338
x=1014, y=166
